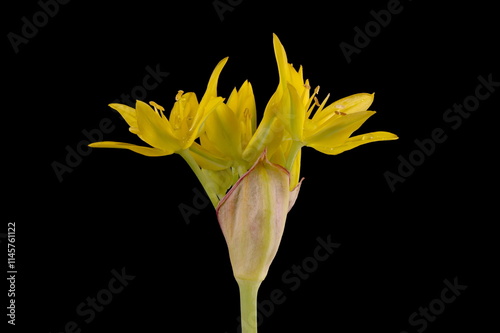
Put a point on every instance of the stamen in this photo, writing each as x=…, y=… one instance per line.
x=156, y=106
x=320, y=107
x=340, y=113
x=316, y=101
x=307, y=86
x=179, y=95
x=316, y=90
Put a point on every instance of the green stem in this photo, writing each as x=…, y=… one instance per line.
x=294, y=150
x=186, y=155
x=248, y=302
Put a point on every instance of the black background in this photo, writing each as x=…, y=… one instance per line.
x=120, y=210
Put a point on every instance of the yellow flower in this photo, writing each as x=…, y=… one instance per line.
x=227, y=131
x=291, y=115
x=173, y=135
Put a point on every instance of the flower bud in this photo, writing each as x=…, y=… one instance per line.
x=252, y=217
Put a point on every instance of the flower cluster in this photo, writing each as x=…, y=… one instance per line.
x=220, y=138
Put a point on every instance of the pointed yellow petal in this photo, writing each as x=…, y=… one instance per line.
x=147, y=151
x=197, y=128
x=337, y=129
x=296, y=115
x=271, y=129
x=155, y=129
x=223, y=130
x=247, y=113
x=242, y=102
x=356, y=141
x=347, y=105
x=282, y=61
x=233, y=100
x=126, y=112
x=211, y=91
x=183, y=113
x=297, y=81
x=269, y=135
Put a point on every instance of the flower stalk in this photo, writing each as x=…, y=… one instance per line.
x=292, y=155
x=205, y=182
x=248, y=304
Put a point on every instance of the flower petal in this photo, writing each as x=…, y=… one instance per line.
x=223, y=131
x=297, y=114
x=282, y=61
x=347, y=105
x=155, y=129
x=356, y=141
x=242, y=103
x=211, y=91
x=199, y=122
x=126, y=112
x=183, y=112
x=337, y=129
x=147, y=151
x=268, y=135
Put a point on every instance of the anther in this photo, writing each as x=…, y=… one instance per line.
x=316, y=101
x=179, y=95
x=156, y=106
